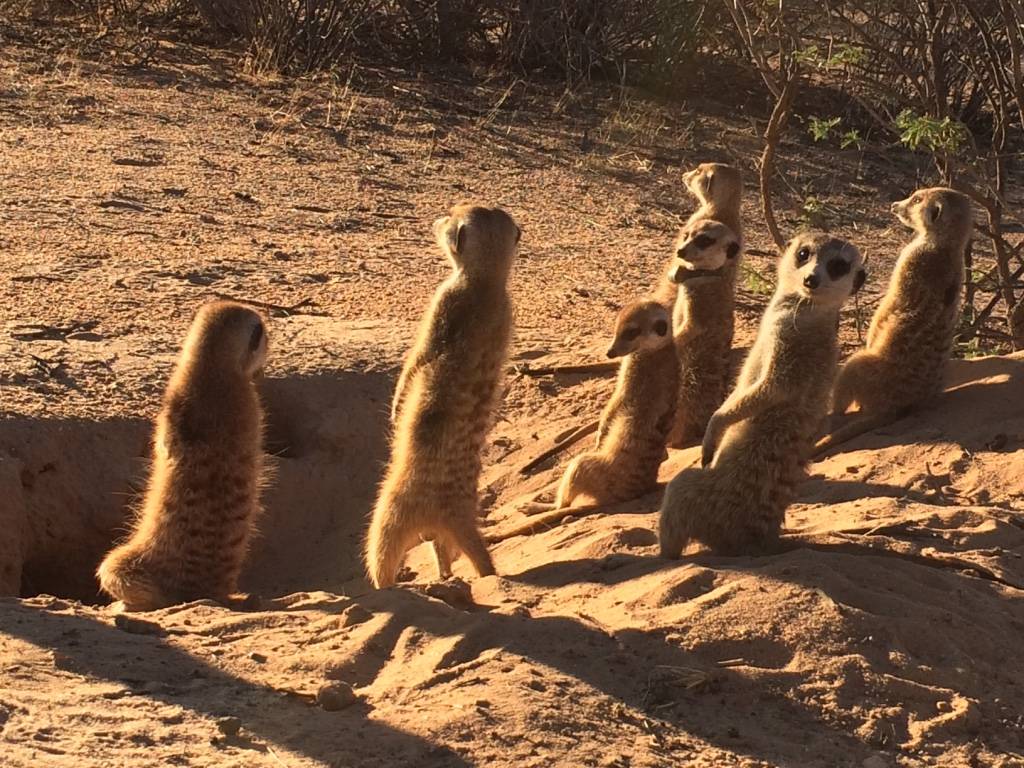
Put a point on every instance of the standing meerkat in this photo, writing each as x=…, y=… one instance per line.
x=444, y=401
x=634, y=424
x=703, y=299
x=911, y=334
x=191, y=537
x=756, y=443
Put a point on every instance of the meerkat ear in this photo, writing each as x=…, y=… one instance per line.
x=711, y=180
x=257, y=336
x=733, y=250
x=519, y=234
x=933, y=212
x=459, y=239
x=858, y=279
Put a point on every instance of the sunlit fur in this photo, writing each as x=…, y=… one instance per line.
x=703, y=308
x=911, y=333
x=634, y=424
x=757, y=441
x=192, y=534
x=445, y=399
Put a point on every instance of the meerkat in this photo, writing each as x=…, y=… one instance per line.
x=757, y=441
x=703, y=297
x=911, y=334
x=634, y=424
x=445, y=399
x=191, y=537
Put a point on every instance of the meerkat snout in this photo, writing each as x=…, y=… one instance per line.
x=702, y=250
x=643, y=325
x=829, y=269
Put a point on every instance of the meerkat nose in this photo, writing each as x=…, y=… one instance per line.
x=895, y=207
x=812, y=281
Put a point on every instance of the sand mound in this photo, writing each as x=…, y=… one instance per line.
x=887, y=634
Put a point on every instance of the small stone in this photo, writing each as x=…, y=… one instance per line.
x=229, y=726
x=136, y=626
x=537, y=685
x=454, y=591
x=258, y=657
x=335, y=696
x=355, y=614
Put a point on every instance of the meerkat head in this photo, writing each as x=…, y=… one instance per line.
x=702, y=251
x=716, y=183
x=229, y=336
x=641, y=325
x=822, y=269
x=480, y=241
x=938, y=210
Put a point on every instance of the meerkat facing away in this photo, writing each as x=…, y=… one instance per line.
x=756, y=443
x=704, y=271
x=634, y=424
x=191, y=537
x=911, y=334
x=446, y=397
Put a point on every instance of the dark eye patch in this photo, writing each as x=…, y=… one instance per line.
x=950, y=295
x=732, y=251
x=703, y=241
x=630, y=333
x=660, y=327
x=837, y=268
x=858, y=280
x=256, y=338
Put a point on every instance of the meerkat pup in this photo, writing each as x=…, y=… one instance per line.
x=634, y=424
x=703, y=296
x=911, y=334
x=191, y=537
x=757, y=441
x=445, y=399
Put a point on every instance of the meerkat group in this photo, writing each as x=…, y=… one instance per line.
x=190, y=537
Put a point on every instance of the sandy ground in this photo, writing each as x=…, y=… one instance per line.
x=889, y=633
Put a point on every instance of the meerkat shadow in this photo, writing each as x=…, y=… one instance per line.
x=148, y=666
x=980, y=408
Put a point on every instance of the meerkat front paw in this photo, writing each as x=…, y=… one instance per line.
x=711, y=435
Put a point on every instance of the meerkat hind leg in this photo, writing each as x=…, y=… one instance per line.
x=468, y=538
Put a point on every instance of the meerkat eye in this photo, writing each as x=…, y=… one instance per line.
x=703, y=241
x=631, y=333
x=732, y=251
x=660, y=327
x=803, y=255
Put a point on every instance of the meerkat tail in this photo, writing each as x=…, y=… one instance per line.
x=677, y=523
x=386, y=545
x=856, y=428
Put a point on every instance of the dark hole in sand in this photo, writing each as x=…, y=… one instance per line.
x=68, y=487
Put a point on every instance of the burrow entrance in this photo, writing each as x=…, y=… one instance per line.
x=67, y=488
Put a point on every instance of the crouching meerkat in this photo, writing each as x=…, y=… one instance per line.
x=702, y=295
x=757, y=441
x=911, y=334
x=634, y=424
x=444, y=401
x=191, y=536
